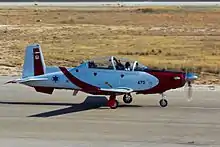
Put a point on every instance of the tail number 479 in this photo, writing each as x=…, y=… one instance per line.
x=141, y=82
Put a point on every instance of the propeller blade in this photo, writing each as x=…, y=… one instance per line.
x=190, y=90
x=190, y=77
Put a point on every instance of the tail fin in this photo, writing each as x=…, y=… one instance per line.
x=34, y=64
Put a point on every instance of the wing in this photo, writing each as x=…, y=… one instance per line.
x=118, y=90
x=26, y=80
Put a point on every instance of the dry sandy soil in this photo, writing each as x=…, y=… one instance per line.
x=160, y=37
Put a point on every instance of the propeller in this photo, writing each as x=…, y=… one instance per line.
x=189, y=93
x=190, y=77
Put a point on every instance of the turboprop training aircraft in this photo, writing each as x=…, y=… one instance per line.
x=104, y=76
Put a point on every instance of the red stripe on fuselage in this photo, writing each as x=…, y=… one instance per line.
x=38, y=65
x=85, y=86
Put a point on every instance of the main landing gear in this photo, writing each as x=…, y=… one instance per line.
x=163, y=101
x=112, y=102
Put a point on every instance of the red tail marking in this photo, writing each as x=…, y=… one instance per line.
x=38, y=65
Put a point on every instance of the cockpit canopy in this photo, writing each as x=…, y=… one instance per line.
x=113, y=63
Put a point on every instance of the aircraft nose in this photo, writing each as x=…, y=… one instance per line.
x=152, y=81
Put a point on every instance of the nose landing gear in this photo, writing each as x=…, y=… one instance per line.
x=163, y=102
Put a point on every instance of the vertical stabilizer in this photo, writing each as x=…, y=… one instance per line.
x=34, y=64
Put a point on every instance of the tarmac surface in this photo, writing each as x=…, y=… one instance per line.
x=28, y=118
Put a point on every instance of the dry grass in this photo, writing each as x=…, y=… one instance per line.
x=160, y=37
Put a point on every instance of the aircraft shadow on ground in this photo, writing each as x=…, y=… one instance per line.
x=91, y=102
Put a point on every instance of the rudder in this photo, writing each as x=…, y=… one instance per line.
x=34, y=64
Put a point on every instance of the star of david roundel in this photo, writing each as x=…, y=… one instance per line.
x=55, y=79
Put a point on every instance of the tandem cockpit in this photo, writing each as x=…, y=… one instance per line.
x=113, y=63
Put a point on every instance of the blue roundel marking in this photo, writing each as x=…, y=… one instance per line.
x=55, y=79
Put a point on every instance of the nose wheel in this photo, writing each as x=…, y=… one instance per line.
x=112, y=102
x=163, y=102
x=127, y=98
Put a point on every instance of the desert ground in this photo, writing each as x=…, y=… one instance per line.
x=180, y=38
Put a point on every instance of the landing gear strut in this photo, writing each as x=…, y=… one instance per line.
x=127, y=98
x=163, y=101
x=112, y=102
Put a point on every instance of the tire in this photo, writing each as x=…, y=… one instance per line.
x=163, y=102
x=113, y=104
x=126, y=100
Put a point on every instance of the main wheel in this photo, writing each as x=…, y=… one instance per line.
x=127, y=98
x=113, y=104
x=163, y=103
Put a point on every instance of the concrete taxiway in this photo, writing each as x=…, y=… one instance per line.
x=35, y=119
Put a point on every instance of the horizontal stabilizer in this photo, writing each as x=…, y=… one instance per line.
x=118, y=90
x=26, y=80
x=47, y=90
